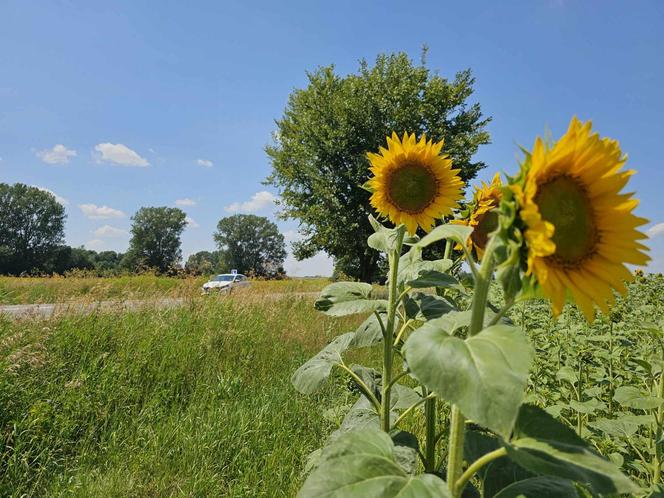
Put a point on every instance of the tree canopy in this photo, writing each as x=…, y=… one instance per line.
x=251, y=244
x=31, y=228
x=319, y=152
x=205, y=262
x=155, y=239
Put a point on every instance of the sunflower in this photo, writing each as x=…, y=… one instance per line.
x=580, y=230
x=481, y=214
x=413, y=184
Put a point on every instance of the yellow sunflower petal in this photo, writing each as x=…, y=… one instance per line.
x=412, y=183
x=580, y=228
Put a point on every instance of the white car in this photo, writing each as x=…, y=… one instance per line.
x=225, y=283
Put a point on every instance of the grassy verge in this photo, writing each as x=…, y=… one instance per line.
x=34, y=290
x=194, y=401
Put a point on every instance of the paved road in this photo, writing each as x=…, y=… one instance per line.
x=42, y=311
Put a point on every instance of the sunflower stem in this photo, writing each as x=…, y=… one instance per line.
x=448, y=248
x=458, y=421
x=389, y=331
x=430, y=407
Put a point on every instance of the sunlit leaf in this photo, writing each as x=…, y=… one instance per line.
x=485, y=375
x=457, y=233
x=362, y=464
x=632, y=397
x=310, y=377
x=543, y=445
x=347, y=298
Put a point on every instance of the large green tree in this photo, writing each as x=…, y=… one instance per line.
x=31, y=228
x=251, y=244
x=205, y=262
x=155, y=239
x=319, y=152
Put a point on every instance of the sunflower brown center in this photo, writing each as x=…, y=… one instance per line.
x=486, y=223
x=412, y=187
x=563, y=201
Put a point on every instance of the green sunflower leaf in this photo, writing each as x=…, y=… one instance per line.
x=542, y=487
x=543, y=445
x=485, y=375
x=457, y=233
x=363, y=463
x=632, y=397
x=420, y=306
x=310, y=377
x=369, y=332
x=348, y=298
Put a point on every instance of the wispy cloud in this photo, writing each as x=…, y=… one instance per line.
x=655, y=230
x=109, y=231
x=58, y=198
x=191, y=223
x=185, y=202
x=258, y=202
x=59, y=154
x=206, y=163
x=119, y=154
x=95, y=212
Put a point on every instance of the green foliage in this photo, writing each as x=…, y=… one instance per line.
x=485, y=375
x=348, y=298
x=476, y=364
x=364, y=464
x=155, y=239
x=205, y=263
x=319, y=152
x=31, y=228
x=251, y=244
x=543, y=445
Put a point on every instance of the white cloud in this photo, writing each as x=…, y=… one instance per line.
x=59, y=154
x=191, y=222
x=185, y=202
x=258, y=202
x=58, y=198
x=205, y=163
x=95, y=212
x=95, y=244
x=109, y=231
x=655, y=230
x=119, y=154
x=321, y=264
x=292, y=236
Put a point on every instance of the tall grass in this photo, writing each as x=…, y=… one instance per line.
x=193, y=401
x=58, y=289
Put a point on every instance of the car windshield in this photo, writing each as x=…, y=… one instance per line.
x=224, y=278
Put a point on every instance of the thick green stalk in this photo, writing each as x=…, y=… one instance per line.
x=659, y=458
x=448, y=249
x=430, y=406
x=477, y=466
x=458, y=421
x=455, y=450
x=393, y=302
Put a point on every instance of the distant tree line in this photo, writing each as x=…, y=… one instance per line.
x=32, y=225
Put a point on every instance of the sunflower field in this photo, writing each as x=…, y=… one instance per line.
x=490, y=385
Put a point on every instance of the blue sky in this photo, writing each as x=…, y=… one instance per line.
x=152, y=103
